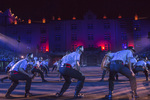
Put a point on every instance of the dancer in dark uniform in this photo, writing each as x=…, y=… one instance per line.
x=68, y=72
x=117, y=65
x=148, y=63
x=8, y=67
x=36, y=69
x=141, y=66
x=43, y=66
x=133, y=62
x=18, y=72
x=105, y=65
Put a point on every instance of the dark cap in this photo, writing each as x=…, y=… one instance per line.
x=131, y=48
x=81, y=48
x=29, y=55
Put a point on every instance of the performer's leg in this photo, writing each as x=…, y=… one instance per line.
x=77, y=75
x=65, y=85
x=4, y=79
x=126, y=72
x=103, y=75
x=146, y=74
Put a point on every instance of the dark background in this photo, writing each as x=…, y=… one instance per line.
x=66, y=9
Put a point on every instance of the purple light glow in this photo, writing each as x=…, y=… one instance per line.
x=12, y=43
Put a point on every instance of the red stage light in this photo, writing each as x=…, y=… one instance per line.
x=103, y=48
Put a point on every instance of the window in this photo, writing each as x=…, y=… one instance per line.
x=43, y=30
x=124, y=45
x=91, y=46
x=74, y=46
x=73, y=37
x=106, y=26
x=90, y=26
x=90, y=36
x=123, y=24
x=44, y=49
x=57, y=37
x=57, y=48
x=58, y=27
x=107, y=36
x=43, y=39
x=73, y=26
x=28, y=31
x=138, y=36
x=41, y=49
x=107, y=47
x=124, y=36
x=137, y=27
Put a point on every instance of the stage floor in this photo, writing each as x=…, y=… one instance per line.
x=93, y=89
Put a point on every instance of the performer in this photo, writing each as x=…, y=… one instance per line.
x=8, y=67
x=141, y=66
x=56, y=66
x=148, y=63
x=68, y=61
x=117, y=65
x=105, y=64
x=17, y=72
x=47, y=64
x=133, y=62
x=43, y=66
x=36, y=69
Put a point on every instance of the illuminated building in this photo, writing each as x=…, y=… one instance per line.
x=58, y=36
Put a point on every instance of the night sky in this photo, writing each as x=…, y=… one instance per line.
x=66, y=9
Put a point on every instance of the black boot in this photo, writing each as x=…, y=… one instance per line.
x=28, y=95
x=109, y=96
x=44, y=80
x=63, y=89
x=8, y=96
x=79, y=96
x=59, y=94
x=134, y=94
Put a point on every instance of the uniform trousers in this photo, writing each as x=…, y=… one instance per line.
x=104, y=73
x=15, y=77
x=118, y=67
x=38, y=71
x=69, y=73
x=44, y=69
x=140, y=68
